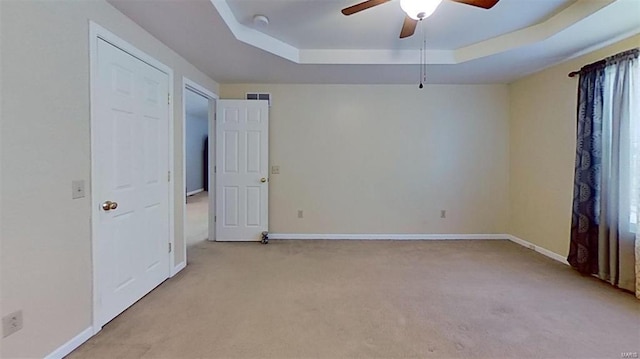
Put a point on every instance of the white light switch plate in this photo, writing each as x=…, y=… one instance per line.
x=275, y=170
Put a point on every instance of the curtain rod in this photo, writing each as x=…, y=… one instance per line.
x=588, y=67
x=633, y=53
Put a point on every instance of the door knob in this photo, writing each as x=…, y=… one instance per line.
x=108, y=205
x=263, y=180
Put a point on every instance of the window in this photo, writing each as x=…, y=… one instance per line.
x=621, y=119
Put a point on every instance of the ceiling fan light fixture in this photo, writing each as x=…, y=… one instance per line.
x=419, y=9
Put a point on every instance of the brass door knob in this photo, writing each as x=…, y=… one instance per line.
x=263, y=180
x=108, y=205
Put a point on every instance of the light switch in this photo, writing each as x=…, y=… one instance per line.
x=77, y=189
x=275, y=170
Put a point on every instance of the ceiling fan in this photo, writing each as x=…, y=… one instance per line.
x=416, y=10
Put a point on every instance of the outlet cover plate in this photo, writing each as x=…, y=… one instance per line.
x=11, y=323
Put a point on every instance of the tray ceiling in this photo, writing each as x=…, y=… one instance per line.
x=309, y=41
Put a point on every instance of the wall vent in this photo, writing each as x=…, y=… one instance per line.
x=259, y=96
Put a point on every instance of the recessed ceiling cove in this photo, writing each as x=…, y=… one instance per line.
x=311, y=41
x=315, y=32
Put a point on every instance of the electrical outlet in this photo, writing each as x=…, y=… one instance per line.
x=443, y=213
x=11, y=323
x=300, y=214
x=77, y=189
x=275, y=170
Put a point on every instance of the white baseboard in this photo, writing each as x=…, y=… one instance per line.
x=195, y=192
x=71, y=345
x=86, y=334
x=538, y=249
x=394, y=237
x=178, y=268
x=420, y=237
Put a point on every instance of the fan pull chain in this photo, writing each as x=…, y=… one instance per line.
x=421, y=68
x=424, y=54
x=423, y=57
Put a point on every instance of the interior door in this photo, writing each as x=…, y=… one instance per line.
x=130, y=141
x=242, y=158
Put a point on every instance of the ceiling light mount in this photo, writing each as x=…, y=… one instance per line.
x=260, y=21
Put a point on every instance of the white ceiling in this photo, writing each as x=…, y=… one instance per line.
x=310, y=41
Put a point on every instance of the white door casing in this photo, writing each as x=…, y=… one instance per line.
x=130, y=145
x=189, y=85
x=242, y=161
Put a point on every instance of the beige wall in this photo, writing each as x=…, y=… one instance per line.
x=46, y=248
x=542, y=142
x=356, y=159
x=387, y=159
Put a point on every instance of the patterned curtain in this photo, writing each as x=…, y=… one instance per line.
x=583, y=251
x=604, y=221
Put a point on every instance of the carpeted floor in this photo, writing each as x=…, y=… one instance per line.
x=373, y=299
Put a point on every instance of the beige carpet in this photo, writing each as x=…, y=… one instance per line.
x=373, y=299
x=197, y=218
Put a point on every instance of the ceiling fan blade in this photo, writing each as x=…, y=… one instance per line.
x=362, y=6
x=485, y=4
x=408, y=27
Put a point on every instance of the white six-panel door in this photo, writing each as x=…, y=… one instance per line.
x=130, y=169
x=242, y=187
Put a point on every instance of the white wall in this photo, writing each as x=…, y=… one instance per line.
x=45, y=144
x=196, y=132
x=388, y=158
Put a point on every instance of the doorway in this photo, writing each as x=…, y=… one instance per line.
x=199, y=163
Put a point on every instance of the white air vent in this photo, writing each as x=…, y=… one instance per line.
x=259, y=96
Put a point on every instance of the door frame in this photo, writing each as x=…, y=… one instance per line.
x=97, y=33
x=190, y=85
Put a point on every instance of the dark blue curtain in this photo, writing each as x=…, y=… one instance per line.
x=583, y=251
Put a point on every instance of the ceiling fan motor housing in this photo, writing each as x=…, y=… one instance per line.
x=419, y=9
